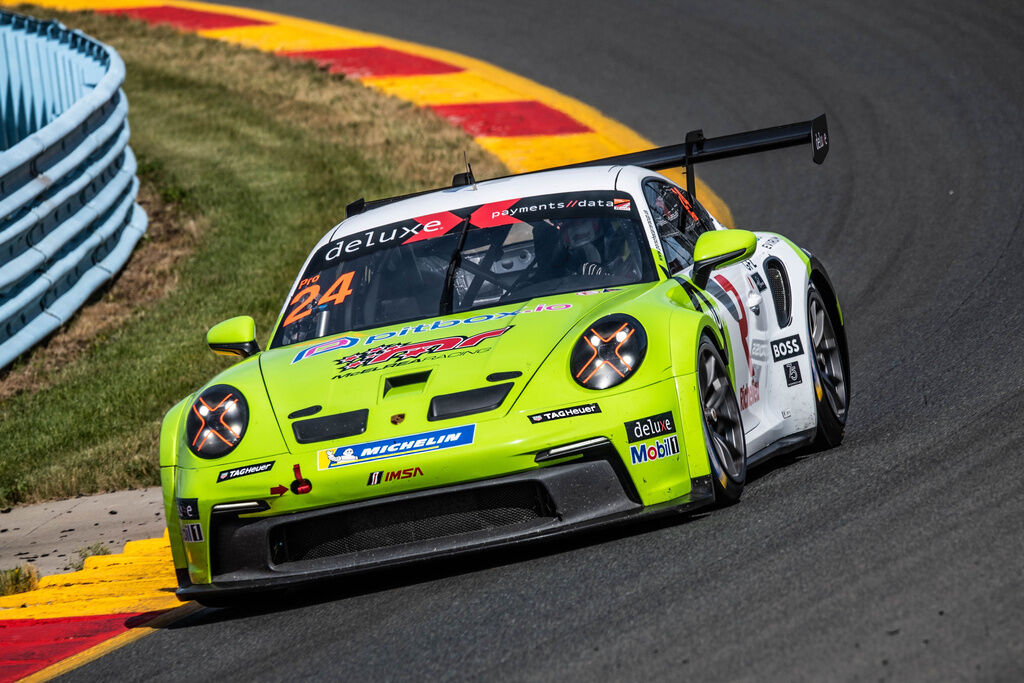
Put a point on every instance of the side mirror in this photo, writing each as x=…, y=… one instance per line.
x=234, y=337
x=717, y=248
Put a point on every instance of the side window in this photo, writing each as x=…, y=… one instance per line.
x=671, y=219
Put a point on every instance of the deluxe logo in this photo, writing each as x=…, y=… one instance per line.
x=237, y=472
x=645, y=428
x=453, y=437
x=378, y=477
x=574, y=411
x=648, y=452
x=188, y=508
x=786, y=348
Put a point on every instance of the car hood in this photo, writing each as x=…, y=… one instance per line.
x=395, y=372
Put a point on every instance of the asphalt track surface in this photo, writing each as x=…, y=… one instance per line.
x=897, y=556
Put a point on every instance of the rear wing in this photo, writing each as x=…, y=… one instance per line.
x=698, y=148
x=695, y=149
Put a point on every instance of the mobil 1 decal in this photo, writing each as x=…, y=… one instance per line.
x=787, y=347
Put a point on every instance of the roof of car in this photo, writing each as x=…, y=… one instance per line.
x=527, y=185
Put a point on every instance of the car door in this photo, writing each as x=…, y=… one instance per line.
x=736, y=302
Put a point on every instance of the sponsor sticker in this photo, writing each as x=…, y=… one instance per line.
x=655, y=450
x=453, y=437
x=786, y=348
x=749, y=395
x=758, y=280
x=192, y=533
x=622, y=204
x=351, y=341
x=645, y=428
x=188, y=508
x=235, y=473
x=562, y=413
x=792, y=371
x=393, y=353
x=408, y=473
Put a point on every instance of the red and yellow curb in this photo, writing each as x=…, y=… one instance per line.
x=75, y=618
x=526, y=125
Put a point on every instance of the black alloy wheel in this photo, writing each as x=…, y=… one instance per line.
x=723, y=428
x=831, y=386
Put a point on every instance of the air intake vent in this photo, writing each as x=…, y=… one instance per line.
x=464, y=403
x=779, y=285
x=330, y=426
x=411, y=521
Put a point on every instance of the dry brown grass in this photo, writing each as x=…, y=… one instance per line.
x=148, y=276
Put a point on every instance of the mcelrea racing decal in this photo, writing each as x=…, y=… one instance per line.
x=574, y=411
x=237, y=472
x=786, y=348
x=350, y=341
x=329, y=458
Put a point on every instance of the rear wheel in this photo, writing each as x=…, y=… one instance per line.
x=723, y=429
x=831, y=386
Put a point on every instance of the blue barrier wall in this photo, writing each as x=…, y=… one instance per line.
x=68, y=217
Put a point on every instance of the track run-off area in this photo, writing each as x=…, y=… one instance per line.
x=896, y=556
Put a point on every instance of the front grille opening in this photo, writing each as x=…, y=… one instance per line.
x=779, y=285
x=411, y=521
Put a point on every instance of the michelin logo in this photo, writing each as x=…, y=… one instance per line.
x=440, y=439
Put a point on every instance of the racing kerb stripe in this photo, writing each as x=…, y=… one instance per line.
x=526, y=125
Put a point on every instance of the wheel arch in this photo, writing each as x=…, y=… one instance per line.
x=821, y=281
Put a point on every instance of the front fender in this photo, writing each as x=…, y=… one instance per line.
x=169, y=441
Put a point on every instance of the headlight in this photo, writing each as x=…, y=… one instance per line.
x=608, y=352
x=217, y=421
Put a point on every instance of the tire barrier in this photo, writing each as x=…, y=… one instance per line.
x=68, y=215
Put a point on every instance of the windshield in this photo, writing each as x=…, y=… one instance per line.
x=511, y=251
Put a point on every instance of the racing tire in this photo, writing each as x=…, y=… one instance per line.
x=829, y=367
x=723, y=426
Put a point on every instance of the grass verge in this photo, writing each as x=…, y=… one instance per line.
x=262, y=154
x=18, y=580
x=78, y=563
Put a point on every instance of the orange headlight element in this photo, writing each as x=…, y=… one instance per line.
x=216, y=421
x=608, y=352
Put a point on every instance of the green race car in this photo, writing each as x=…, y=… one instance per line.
x=502, y=361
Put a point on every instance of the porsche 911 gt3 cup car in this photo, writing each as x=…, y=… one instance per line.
x=502, y=361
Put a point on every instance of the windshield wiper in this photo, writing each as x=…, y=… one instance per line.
x=448, y=293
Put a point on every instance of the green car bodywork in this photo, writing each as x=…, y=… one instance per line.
x=538, y=341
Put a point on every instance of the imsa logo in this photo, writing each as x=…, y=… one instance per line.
x=648, y=452
x=408, y=473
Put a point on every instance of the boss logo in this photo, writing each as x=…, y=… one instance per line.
x=786, y=348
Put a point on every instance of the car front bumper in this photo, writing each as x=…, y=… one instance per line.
x=260, y=553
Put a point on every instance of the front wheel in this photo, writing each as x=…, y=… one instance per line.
x=723, y=429
x=831, y=385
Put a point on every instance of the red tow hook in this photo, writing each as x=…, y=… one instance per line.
x=300, y=485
